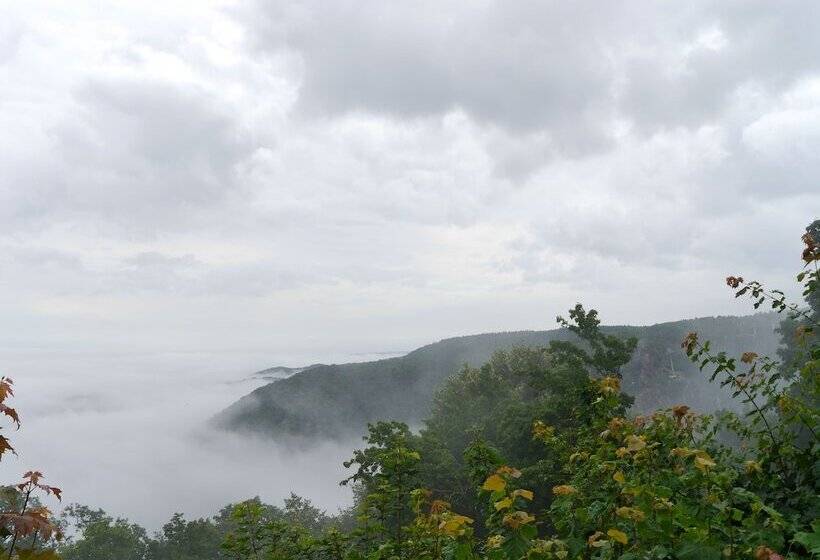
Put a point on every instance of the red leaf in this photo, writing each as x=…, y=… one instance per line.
x=5, y=388
x=11, y=413
x=5, y=446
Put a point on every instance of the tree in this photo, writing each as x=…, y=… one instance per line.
x=198, y=539
x=101, y=537
x=388, y=470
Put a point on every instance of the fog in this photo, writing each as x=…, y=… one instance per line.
x=128, y=433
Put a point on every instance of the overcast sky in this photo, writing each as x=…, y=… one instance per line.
x=372, y=175
x=270, y=182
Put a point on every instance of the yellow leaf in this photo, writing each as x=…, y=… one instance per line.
x=610, y=384
x=494, y=483
x=619, y=477
x=616, y=424
x=564, y=490
x=681, y=452
x=503, y=504
x=635, y=443
x=452, y=528
x=704, y=462
x=633, y=514
x=516, y=519
x=454, y=525
x=542, y=431
x=752, y=467
x=617, y=535
x=526, y=494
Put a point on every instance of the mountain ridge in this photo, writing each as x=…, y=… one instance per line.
x=335, y=400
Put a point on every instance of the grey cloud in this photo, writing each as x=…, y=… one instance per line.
x=754, y=45
x=571, y=70
x=39, y=270
x=525, y=66
x=188, y=276
x=136, y=155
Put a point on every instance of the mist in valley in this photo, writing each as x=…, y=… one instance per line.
x=131, y=434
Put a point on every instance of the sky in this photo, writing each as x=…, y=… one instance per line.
x=193, y=190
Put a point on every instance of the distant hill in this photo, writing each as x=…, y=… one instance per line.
x=279, y=372
x=335, y=400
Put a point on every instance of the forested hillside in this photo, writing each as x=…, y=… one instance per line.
x=334, y=400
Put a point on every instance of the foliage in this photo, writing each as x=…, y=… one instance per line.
x=103, y=538
x=98, y=536
x=198, y=539
x=259, y=536
x=27, y=528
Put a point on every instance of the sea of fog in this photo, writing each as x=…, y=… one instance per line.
x=128, y=433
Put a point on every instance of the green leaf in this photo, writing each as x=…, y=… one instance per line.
x=810, y=541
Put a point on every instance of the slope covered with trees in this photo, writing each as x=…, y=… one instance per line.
x=334, y=400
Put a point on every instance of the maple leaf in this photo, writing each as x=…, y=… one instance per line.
x=704, y=462
x=595, y=540
x=33, y=476
x=617, y=535
x=455, y=525
x=610, y=384
x=11, y=413
x=526, y=494
x=26, y=523
x=516, y=519
x=494, y=483
x=5, y=388
x=634, y=514
x=564, y=490
x=635, y=443
x=5, y=446
x=503, y=504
